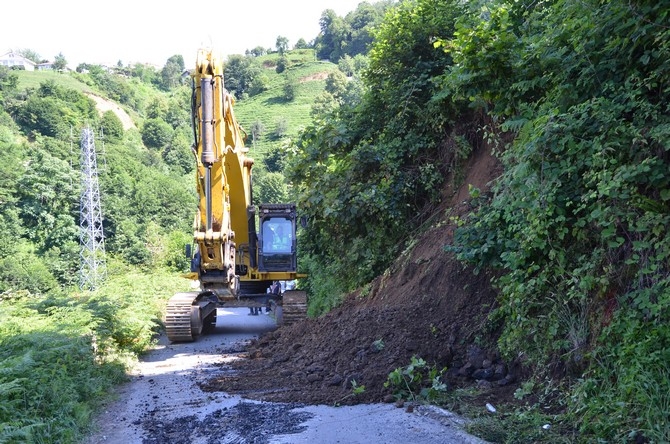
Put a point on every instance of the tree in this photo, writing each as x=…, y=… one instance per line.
x=361, y=22
x=178, y=153
x=156, y=133
x=301, y=44
x=12, y=168
x=324, y=105
x=275, y=160
x=271, y=188
x=282, y=64
x=329, y=41
x=8, y=80
x=59, y=62
x=361, y=63
x=281, y=127
x=257, y=130
x=282, y=44
x=259, y=84
x=171, y=73
x=336, y=83
x=146, y=74
x=24, y=270
x=43, y=115
x=258, y=51
x=30, y=55
x=240, y=73
x=346, y=65
x=48, y=199
x=157, y=108
x=176, y=113
x=289, y=88
x=352, y=34
x=112, y=127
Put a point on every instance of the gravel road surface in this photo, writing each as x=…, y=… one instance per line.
x=163, y=404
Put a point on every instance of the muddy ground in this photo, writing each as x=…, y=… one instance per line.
x=427, y=305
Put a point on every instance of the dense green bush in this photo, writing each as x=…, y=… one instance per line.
x=270, y=188
x=579, y=220
x=60, y=356
x=43, y=115
x=48, y=369
x=370, y=166
x=11, y=169
x=22, y=269
x=113, y=85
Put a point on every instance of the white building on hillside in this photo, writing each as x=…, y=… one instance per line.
x=46, y=66
x=13, y=59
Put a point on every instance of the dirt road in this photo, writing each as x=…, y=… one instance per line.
x=164, y=404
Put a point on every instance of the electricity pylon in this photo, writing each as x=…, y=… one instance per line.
x=92, y=239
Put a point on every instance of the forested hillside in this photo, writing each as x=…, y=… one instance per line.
x=571, y=97
x=62, y=347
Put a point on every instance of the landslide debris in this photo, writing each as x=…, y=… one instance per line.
x=427, y=305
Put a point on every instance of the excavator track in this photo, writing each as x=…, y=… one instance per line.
x=294, y=306
x=187, y=315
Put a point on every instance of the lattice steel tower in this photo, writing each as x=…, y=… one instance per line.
x=92, y=239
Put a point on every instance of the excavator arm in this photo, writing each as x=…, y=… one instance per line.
x=223, y=175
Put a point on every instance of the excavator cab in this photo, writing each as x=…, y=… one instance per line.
x=277, y=244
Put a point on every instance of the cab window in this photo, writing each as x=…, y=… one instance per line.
x=277, y=235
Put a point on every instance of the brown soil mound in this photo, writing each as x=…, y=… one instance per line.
x=427, y=305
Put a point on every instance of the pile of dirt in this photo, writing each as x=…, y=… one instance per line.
x=428, y=305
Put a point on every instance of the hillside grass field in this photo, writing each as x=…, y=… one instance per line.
x=33, y=79
x=270, y=107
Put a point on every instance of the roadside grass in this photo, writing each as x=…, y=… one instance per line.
x=532, y=413
x=60, y=355
x=529, y=418
x=514, y=425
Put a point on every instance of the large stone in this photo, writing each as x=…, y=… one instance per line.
x=314, y=377
x=466, y=370
x=476, y=356
x=335, y=380
x=483, y=373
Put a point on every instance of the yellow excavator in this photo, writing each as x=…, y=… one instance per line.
x=241, y=251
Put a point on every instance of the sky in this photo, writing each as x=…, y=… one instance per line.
x=151, y=31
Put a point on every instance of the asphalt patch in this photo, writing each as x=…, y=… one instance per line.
x=245, y=423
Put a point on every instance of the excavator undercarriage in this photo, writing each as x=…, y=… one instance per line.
x=188, y=315
x=191, y=314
